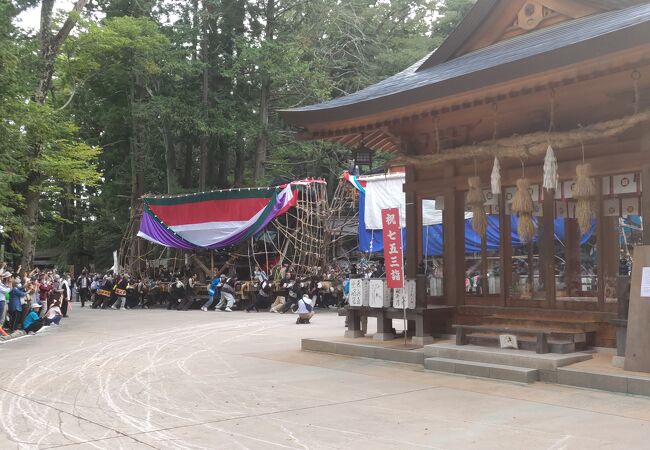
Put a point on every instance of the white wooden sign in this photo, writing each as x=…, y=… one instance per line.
x=359, y=290
x=406, y=294
x=379, y=294
x=508, y=341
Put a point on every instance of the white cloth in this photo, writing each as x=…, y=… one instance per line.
x=66, y=288
x=302, y=305
x=386, y=191
x=3, y=291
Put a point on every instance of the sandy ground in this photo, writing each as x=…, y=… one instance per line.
x=194, y=380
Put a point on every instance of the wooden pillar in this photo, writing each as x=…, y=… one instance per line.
x=531, y=270
x=484, y=267
x=600, y=245
x=645, y=203
x=454, y=247
x=505, y=231
x=572, y=253
x=547, y=246
x=412, y=227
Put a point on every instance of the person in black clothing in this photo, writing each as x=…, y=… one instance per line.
x=105, y=293
x=293, y=296
x=262, y=298
x=188, y=298
x=83, y=285
x=176, y=293
x=121, y=285
x=314, y=293
x=132, y=296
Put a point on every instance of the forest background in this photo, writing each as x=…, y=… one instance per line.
x=107, y=100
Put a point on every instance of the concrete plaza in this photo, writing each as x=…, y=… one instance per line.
x=194, y=380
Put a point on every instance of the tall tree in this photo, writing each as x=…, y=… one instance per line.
x=265, y=94
x=49, y=46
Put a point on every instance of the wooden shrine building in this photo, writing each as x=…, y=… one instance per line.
x=515, y=77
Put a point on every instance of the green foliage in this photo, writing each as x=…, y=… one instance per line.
x=127, y=115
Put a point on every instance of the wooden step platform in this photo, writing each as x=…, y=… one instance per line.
x=541, y=331
x=527, y=343
x=569, y=325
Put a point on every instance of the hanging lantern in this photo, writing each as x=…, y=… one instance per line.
x=476, y=202
x=522, y=205
x=496, y=177
x=585, y=194
x=550, y=170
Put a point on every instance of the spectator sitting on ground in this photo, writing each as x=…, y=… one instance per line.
x=53, y=315
x=33, y=322
x=305, y=310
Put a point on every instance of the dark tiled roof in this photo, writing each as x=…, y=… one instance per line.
x=514, y=50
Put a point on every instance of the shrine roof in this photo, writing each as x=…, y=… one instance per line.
x=540, y=50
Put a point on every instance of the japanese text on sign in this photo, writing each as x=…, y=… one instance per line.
x=393, y=248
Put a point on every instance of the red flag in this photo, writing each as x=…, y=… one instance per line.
x=393, y=259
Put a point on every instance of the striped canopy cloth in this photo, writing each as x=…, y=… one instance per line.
x=213, y=219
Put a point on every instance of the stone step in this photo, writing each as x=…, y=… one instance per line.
x=507, y=357
x=525, y=343
x=484, y=370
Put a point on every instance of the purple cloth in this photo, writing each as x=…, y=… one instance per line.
x=153, y=230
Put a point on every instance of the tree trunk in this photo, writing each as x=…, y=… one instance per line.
x=27, y=239
x=205, y=86
x=189, y=159
x=49, y=48
x=170, y=159
x=137, y=175
x=261, y=152
x=224, y=167
x=240, y=167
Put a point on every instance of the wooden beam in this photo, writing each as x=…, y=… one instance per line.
x=601, y=165
x=571, y=8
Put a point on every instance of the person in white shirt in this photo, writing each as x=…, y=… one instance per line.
x=305, y=310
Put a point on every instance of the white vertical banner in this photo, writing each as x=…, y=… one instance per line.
x=116, y=263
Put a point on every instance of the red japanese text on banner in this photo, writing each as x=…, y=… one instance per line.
x=394, y=262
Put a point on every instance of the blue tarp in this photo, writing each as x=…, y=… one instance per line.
x=432, y=236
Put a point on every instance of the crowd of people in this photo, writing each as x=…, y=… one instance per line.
x=284, y=293
x=32, y=300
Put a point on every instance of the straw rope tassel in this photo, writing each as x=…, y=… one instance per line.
x=550, y=170
x=496, y=177
x=522, y=205
x=476, y=201
x=584, y=193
